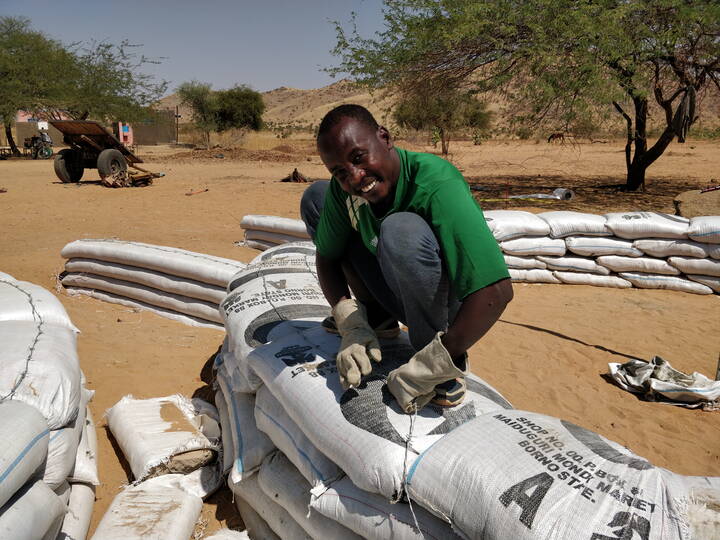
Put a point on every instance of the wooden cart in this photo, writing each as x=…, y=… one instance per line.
x=92, y=146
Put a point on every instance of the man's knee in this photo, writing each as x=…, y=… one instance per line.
x=405, y=233
x=311, y=205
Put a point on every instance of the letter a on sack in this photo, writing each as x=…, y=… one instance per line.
x=540, y=484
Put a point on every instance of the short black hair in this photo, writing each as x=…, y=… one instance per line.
x=357, y=112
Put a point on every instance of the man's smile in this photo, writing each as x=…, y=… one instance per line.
x=366, y=188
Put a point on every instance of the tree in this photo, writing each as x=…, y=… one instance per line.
x=203, y=102
x=556, y=60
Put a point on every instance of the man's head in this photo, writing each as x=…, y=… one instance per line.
x=360, y=155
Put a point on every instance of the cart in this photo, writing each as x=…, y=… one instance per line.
x=92, y=146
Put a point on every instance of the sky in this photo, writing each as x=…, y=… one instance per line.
x=264, y=43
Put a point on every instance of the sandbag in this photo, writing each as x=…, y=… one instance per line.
x=292, y=227
x=285, y=434
x=151, y=509
x=541, y=245
x=24, y=434
x=362, y=429
x=282, y=482
x=637, y=264
x=23, y=301
x=228, y=534
x=578, y=278
x=194, y=307
x=373, y=517
x=292, y=249
x=170, y=260
x=565, y=223
x=250, y=446
x=85, y=469
x=557, y=480
x=258, y=244
x=647, y=225
x=150, y=278
x=33, y=513
x=665, y=247
x=275, y=238
x=240, y=376
x=40, y=367
x=6, y=277
x=509, y=224
x=524, y=263
x=533, y=276
x=689, y=265
x=228, y=448
x=256, y=527
x=705, y=229
x=711, y=281
x=594, y=247
x=163, y=435
x=63, y=492
x=574, y=264
x=77, y=519
x=658, y=281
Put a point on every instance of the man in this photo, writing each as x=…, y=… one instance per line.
x=402, y=231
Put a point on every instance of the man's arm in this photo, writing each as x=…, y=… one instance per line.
x=478, y=312
x=332, y=279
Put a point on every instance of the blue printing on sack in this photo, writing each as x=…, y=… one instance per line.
x=22, y=454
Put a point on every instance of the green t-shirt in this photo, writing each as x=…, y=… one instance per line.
x=436, y=191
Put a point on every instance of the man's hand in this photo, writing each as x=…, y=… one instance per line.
x=359, y=343
x=412, y=384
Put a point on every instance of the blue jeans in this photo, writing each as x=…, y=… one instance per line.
x=407, y=278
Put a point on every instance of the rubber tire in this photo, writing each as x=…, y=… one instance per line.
x=45, y=152
x=111, y=161
x=69, y=166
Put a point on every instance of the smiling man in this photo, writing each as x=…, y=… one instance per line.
x=402, y=231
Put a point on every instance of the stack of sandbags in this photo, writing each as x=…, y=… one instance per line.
x=48, y=479
x=264, y=232
x=171, y=282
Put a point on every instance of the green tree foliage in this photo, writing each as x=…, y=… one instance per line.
x=203, y=102
x=558, y=61
x=442, y=112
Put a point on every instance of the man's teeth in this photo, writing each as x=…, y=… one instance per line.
x=367, y=188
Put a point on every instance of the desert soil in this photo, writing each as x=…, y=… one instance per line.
x=549, y=353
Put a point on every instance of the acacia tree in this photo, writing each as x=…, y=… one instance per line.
x=556, y=60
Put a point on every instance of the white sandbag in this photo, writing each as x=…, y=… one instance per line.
x=250, y=446
x=647, y=225
x=711, y=281
x=362, y=429
x=293, y=249
x=77, y=519
x=578, y=278
x=292, y=227
x=6, y=277
x=671, y=283
x=150, y=278
x=35, y=512
x=279, y=520
x=647, y=265
x=23, y=301
x=594, y=247
x=195, y=307
x=150, y=510
x=533, y=276
x=170, y=260
x=85, y=469
x=228, y=449
x=63, y=492
x=373, y=517
x=282, y=482
x=63, y=445
x=574, y=264
x=509, y=224
x=257, y=244
x=527, y=476
x=275, y=238
x=40, y=367
x=285, y=434
x=136, y=304
x=565, y=223
x=228, y=534
x=705, y=229
x=666, y=247
x=269, y=298
x=689, y=265
x=236, y=370
x=163, y=435
x=256, y=527
x=523, y=263
x=24, y=439
x=540, y=245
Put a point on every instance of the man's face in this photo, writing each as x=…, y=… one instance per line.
x=363, y=160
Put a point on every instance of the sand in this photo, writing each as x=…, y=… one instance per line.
x=549, y=352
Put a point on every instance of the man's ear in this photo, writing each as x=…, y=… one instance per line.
x=384, y=135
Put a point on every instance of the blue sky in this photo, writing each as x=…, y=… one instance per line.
x=265, y=44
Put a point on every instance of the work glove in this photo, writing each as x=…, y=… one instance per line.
x=413, y=383
x=359, y=343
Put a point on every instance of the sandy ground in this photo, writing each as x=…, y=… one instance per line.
x=549, y=353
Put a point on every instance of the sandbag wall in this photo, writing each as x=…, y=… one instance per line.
x=49, y=445
x=478, y=470
x=629, y=249
x=171, y=282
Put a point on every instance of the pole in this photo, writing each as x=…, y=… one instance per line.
x=177, y=124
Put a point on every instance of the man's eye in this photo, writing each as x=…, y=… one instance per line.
x=357, y=158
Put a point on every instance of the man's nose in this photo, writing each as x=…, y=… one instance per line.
x=356, y=175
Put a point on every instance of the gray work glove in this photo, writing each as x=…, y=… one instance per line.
x=413, y=383
x=359, y=343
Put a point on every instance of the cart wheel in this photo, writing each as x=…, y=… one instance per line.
x=111, y=162
x=45, y=152
x=69, y=166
